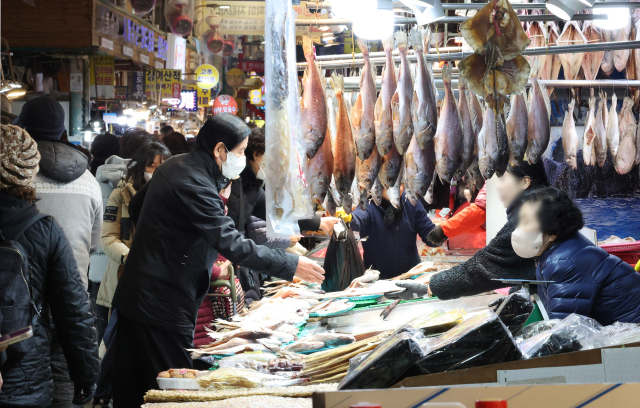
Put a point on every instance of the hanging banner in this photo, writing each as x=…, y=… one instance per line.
x=102, y=70
x=170, y=81
x=150, y=84
x=204, y=97
x=138, y=83
x=207, y=76
x=225, y=103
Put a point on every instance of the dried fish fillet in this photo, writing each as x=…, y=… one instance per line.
x=571, y=35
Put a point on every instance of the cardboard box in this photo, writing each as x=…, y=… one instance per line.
x=490, y=374
x=538, y=396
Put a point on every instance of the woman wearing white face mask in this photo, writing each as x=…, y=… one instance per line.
x=587, y=280
x=497, y=260
x=117, y=228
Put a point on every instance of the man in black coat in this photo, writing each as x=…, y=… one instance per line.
x=181, y=229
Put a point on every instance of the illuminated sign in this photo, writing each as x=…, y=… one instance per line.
x=189, y=101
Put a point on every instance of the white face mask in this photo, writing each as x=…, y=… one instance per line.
x=233, y=166
x=260, y=175
x=526, y=244
x=147, y=176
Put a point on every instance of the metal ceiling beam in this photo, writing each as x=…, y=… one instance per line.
x=458, y=56
x=478, y=6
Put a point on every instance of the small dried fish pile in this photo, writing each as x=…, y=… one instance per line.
x=320, y=341
x=330, y=308
x=195, y=396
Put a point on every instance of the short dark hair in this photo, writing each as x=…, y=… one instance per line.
x=536, y=173
x=176, y=142
x=103, y=147
x=558, y=214
x=131, y=141
x=256, y=143
x=223, y=127
x=166, y=129
x=144, y=157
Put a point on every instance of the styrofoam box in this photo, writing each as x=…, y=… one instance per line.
x=178, y=384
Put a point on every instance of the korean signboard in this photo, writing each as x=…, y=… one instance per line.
x=248, y=66
x=102, y=76
x=150, y=84
x=225, y=103
x=170, y=83
x=207, y=76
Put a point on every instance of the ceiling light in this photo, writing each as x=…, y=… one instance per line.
x=15, y=84
x=424, y=13
x=375, y=20
x=618, y=17
x=589, y=3
x=347, y=9
x=565, y=9
x=16, y=93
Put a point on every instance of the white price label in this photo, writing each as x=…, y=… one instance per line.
x=108, y=44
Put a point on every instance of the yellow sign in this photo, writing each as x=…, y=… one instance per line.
x=204, y=96
x=207, y=76
x=255, y=96
x=170, y=83
x=235, y=78
x=150, y=84
x=102, y=72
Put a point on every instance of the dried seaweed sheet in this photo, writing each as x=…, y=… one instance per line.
x=481, y=339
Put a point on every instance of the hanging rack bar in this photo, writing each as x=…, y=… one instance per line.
x=353, y=83
x=458, y=56
x=477, y=6
x=377, y=54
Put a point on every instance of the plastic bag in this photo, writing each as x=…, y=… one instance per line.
x=437, y=321
x=342, y=263
x=386, y=364
x=573, y=333
x=481, y=339
x=179, y=16
x=515, y=309
x=533, y=329
x=356, y=360
x=287, y=188
x=233, y=378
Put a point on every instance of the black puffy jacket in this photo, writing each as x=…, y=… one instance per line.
x=497, y=260
x=180, y=230
x=57, y=287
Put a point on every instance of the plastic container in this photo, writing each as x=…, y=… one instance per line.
x=622, y=247
x=491, y=404
x=631, y=258
x=177, y=384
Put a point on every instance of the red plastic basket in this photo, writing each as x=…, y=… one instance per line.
x=622, y=247
x=631, y=258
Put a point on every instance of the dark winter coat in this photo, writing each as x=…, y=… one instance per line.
x=392, y=250
x=58, y=287
x=495, y=261
x=181, y=229
x=589, y=282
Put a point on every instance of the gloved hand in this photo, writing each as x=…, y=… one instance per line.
x=436, y=236
x=297, y=249
x=83, y=393
x=342, y=214
x=414, y=290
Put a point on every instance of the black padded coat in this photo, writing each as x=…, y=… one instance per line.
x=57, y=287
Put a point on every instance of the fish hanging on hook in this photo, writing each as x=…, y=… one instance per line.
x=497, y=67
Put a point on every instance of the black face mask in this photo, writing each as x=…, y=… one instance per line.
x=392, y=215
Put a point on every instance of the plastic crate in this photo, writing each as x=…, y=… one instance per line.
x=631, y=258
x=622, y=247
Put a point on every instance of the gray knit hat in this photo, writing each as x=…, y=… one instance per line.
x=19, y=157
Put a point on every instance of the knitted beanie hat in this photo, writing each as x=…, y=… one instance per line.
x=20, y=157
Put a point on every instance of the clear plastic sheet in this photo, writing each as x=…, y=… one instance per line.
x=515, y=309
x=535, y=329
x=356, y=360
x=385, y=365
x=573, y=333
x=179, y=16
x=481, y=339
x=287, y=187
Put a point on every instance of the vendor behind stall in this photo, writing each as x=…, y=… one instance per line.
x=497, y=260
x=391, y=232
x=587, y=280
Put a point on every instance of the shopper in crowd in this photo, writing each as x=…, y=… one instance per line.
x=587, y=280
x=471, y=220
x=109, y=175
x=103, y=147
x=118, y=229
x=55, y=283
x=176, y=143
x=391, y=234
x=67, y=190
x=165, y=130
x=181, y=229
x=497, y=260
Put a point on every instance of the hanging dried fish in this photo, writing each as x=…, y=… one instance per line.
x=401, y=101
x=571, y=35
x=493, y=151
x=344, y=163
x=366, y=136
x=313, y=105
x=424, y=110
x=538, y=127
x=538, y=35
x=612, y=129
x=627, y=151
x=570, y=137
x=468, y=134
x=600, y=140
x=517, y=126
x=553, y=64
x=588, y=139
x=607, y=58
x=620, y=57
x=449, y=135
x=592, y=60
x=384, y=124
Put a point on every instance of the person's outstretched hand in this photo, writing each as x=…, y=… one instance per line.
x=83, y=393
x=327, y=224
x=437, y=236
x=309, y=271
